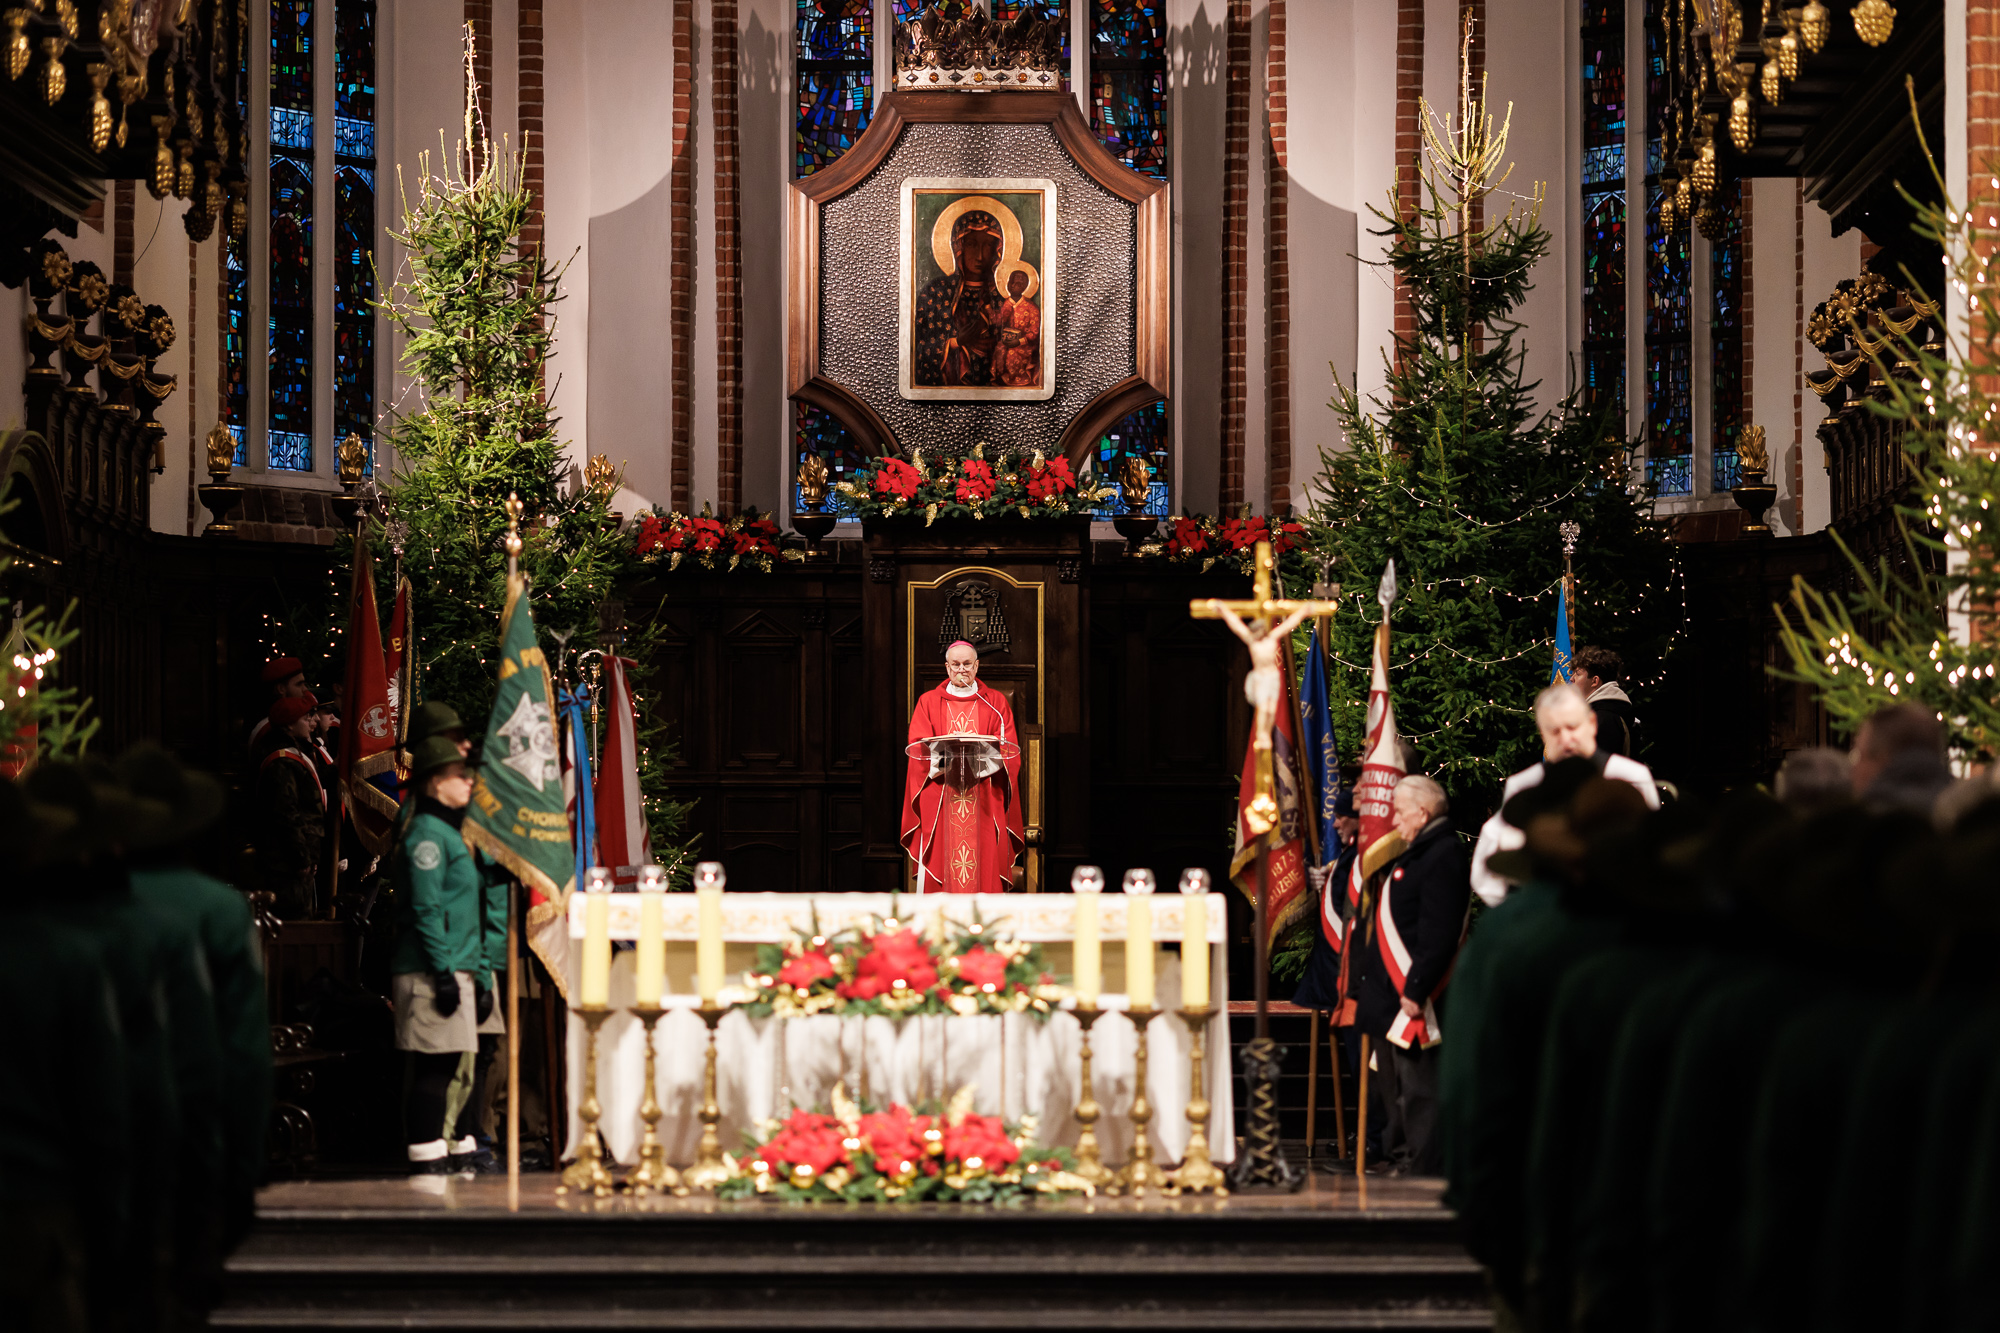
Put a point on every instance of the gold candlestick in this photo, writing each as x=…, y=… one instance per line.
x=1089, y=1163
x=1141, y=1173
x=653, y=1174
x=1197, y=1174
x=587, y=1174
x=708, y=1170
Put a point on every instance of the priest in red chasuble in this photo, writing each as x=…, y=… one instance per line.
x=962, y=799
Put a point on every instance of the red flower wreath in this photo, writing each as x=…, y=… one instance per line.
x=1049, y=479
x=897, y=478
x=975, y=481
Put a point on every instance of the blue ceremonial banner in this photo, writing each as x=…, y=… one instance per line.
x=1560, y=671
x=577, y=788
x=1322, y=756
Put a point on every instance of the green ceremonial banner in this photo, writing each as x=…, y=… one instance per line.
x=518, y=816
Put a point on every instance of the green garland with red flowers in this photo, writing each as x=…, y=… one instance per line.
x=898, y=1155
x=890, y=968
x=1205, y=541
x=664, y=537
x=1022, y=483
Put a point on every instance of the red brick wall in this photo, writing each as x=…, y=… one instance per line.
x=1982, y=151
x=529, y=32
x=1235, y=252
x=1799, y=356
x=1278, y=273
x=479, y=17
x=728, y=263
x=681, y=278
x=1409, y=133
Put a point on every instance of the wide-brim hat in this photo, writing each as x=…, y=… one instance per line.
x=193, y=800
x=433, y=753
x=432, y=719
x=106, y=816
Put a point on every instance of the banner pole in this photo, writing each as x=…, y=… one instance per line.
x=513, y=1047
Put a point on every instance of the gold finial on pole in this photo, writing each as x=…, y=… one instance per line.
x=512, y=543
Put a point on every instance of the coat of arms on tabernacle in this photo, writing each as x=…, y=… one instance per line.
x=972, y=613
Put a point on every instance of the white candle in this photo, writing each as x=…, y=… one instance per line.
x=709, y=877
x=1139, y=938
x=651, y=963
x=596, y=989
x=1087, y=883
x=1194, y=939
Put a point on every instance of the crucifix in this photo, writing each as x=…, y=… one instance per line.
x=1264, y=623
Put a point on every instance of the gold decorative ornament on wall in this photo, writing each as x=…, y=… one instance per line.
x=1814, y=24
x=1874, y=21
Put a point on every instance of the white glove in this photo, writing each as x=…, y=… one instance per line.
x=1318, y=875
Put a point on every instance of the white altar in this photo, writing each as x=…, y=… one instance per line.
x=1020, y=1066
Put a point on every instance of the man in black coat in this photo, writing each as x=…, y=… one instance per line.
x=1402, y=959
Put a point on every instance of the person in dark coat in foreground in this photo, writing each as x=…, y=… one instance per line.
x=1406, y=937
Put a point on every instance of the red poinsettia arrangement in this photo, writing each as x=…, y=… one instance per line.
x=1023, y=483
x=893, y=968
x=1203, y=538
x=670, y=538
x=898, y=1155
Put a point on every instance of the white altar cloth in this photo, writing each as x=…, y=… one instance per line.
x=765, y=1066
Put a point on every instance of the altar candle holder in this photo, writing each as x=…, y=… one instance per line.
x=1141, y=1173
x=1089, y=1160
x=653, y=1175
x=587, y=1174
x=708, y=1170
x=1197, y=1174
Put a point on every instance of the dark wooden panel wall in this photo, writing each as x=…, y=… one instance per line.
x=765, y=682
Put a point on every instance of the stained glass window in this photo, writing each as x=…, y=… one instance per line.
x=290, y=346
x=1604, y=123
x=235, y=342
x=836, y=84
x=1669, y=354
x=1007, y=10
x=836, y=79
x=1145, y=434
x=354, y=222
x=1128, y=81
x=1726, y=346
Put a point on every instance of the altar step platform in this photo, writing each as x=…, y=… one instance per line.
x=448, y=1255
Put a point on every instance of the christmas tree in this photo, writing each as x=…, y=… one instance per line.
x=1451, y=472
x=477, y=312
x=39, y=719
x=1925, y=630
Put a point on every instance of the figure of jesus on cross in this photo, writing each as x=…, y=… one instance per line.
x=1251, y=622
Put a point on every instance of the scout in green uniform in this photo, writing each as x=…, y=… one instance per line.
x=65, y=1113
x=441, y=980
x=163, y=880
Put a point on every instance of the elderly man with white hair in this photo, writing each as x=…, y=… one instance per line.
x=1406, y=938
x=1569, y=731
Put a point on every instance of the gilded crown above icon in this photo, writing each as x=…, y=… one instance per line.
x=976, y=53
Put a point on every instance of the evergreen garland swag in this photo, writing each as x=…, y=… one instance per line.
x=1452, y=473
x=476, y=308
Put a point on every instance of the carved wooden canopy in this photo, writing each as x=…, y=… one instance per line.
x=1116, y=349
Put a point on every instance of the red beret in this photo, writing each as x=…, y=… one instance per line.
x=280, y=669
x=284, y=712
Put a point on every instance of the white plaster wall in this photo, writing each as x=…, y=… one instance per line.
x=160, y=277
x=423, y=54
x=1774, y=340
x=1197, y=51
x=14, y=307
x=703, y=462
x=1340, y=68
x=1829, y=259
x=566, y=190
x=764, y=127
x=1526, y=42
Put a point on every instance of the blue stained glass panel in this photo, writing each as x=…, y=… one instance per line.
x=1671, y=476
x=1604, y=109
x=291, y=299
x=235, y=340
x=291, y=129
x=1146, y=434
x=292, y=54
x=291, y=451
x=1128, y=108
x=834, y=107
x=354, y=224
x=819, y=432
x=1726, y=348
x=836, y=29
x=1128, y=30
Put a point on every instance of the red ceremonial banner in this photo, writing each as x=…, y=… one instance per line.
x=368, y=729
x=1288, y=899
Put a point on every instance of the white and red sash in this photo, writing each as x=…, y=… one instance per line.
x=305, y=763
x=1404, y=1029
